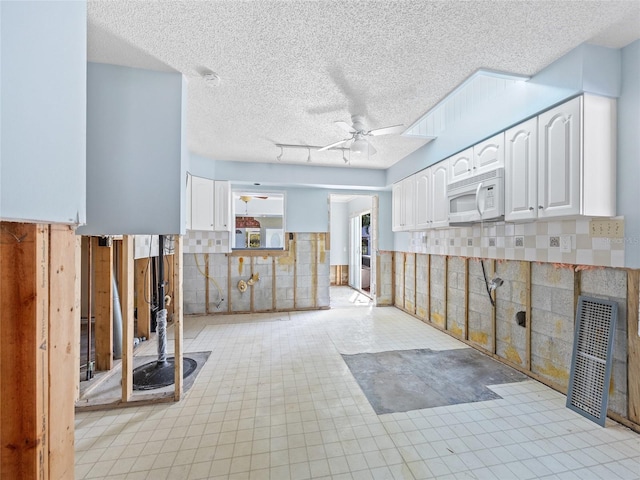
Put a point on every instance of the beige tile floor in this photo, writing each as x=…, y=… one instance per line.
x=276, y=401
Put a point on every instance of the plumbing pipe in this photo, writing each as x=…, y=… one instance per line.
x=161, y=315
x=117, y=321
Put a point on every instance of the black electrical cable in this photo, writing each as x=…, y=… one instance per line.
x=486, y=283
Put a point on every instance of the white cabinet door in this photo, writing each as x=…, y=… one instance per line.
x=460, y=165
x=439, y=200
x=201, y=204
x=396, y=204
x=521, y=172
x=222, y=204
x=408, y=194
x=423, y=200
x=488, y=155
x=559, y=160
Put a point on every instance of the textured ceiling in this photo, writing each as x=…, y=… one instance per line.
x=290, y=69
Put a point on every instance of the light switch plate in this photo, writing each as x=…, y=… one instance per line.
x=567, y=243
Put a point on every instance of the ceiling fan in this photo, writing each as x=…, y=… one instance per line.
x=359, y=134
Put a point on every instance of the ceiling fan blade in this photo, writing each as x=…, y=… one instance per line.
x=387, y=130
x=345, y=126
x=333, y=145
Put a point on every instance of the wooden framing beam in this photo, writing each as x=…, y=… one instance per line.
x=64, y=350
x=24, y=360
x=178, y=317
x=466, y=299
x=633, y=345
x=126, y=302
x=528, y=316
x=103, y=309
x=142, y=280
x=494, y=328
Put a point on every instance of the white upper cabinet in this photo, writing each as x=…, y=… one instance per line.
x=460, y=165
x=439, y=199
x=482, y=157
x=222, y=212
x=403, y=211
x=488, y=155
x=562, y=163
x=209, y=205
x=559, y=161
x=520, y=171
x=423, y=202
x=201, y=204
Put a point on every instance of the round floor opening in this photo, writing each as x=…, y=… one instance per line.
x=151, y=375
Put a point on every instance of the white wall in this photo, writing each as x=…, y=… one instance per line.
x=136, y=170
x=628, y=198
x=43, y=111
x=339, y=233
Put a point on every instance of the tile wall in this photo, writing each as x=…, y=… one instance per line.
x=534, y=242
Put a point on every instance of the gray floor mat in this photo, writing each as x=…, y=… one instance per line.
x=404, y=380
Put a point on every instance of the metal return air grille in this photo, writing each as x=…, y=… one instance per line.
x=591, y=362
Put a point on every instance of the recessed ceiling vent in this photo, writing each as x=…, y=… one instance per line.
x=591, y=362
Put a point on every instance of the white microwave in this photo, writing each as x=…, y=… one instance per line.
x=478, y=198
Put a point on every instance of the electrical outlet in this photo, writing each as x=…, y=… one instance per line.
x=451, y=242
x=567, y=243
x=492, y=242
x=554, y=242
x=606, y=228
x=519, y=242
x=469, y=242
x=437, y=242
x=218, y=242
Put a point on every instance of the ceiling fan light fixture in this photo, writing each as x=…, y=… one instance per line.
x=359, y=146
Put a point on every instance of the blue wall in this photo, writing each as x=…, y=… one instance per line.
x=43, y=111
x=629, y=152
x=136, y=162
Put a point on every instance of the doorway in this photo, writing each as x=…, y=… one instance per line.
x=353, y=227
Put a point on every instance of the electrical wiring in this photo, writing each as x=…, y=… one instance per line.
x=211, y=279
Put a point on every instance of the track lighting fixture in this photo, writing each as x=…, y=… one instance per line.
x=308, y=148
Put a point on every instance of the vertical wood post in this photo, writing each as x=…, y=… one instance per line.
x=64, y=349
x=143, y=293
x=494, y=329
x=633, y=345
x=206, y=284
x=126, y=301
x=24, y=359
x=528, y=317
x=466, y=299
x=178, y=316
x=446, y=292
x=103, y=271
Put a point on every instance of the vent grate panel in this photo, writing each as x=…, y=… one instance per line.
x=591, y=361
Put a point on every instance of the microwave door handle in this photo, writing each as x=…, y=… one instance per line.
x=478, y=199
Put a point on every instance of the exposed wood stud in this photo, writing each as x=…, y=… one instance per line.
x=633, y=345
x=294, y=247
x=274, y=288
x=143, y=297
x=494, y=328
x=178, y=276
x=126, y=303
x=252, y=307
x=24, y=359
x=466, y=299
x=206, y=283
x=577, y=288
x=229, y=291
x=103, y=310
x=446, y=292
x=64, y=350
x=528, y=316
x=428, y=288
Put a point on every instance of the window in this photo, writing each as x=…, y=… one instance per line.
x=259, y=220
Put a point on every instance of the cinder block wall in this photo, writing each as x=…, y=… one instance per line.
x=449, y=293
x=295, y=279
